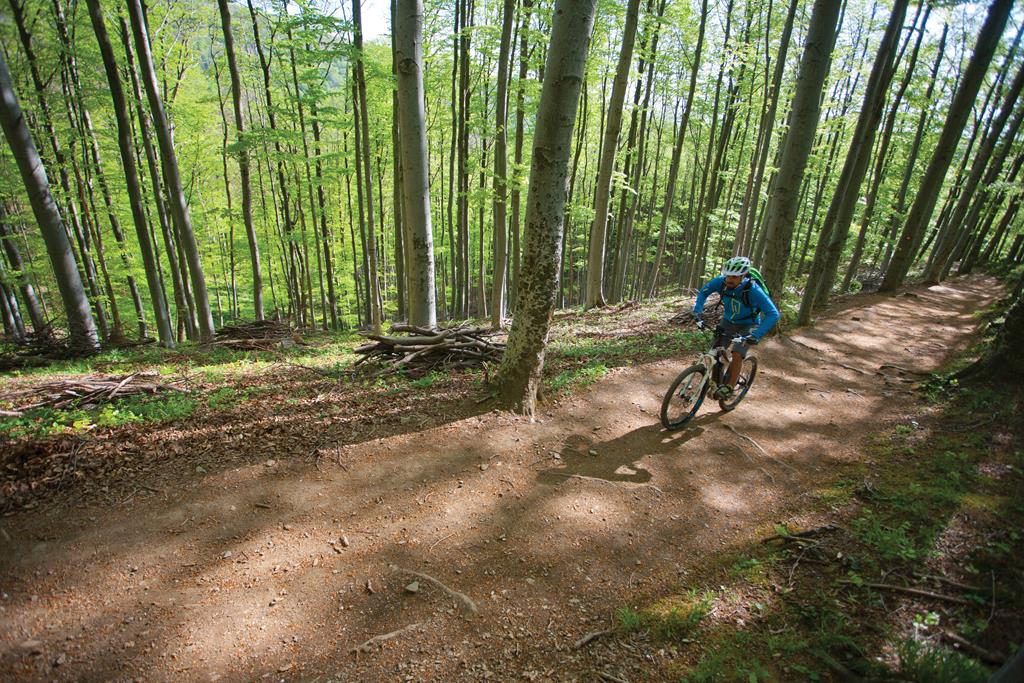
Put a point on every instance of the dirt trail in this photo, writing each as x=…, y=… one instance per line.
x=276, y=571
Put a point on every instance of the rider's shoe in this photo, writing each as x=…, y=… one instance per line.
x=724, y=392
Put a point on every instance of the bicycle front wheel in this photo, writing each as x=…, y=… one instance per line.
x=747, y=374
x=684, y=397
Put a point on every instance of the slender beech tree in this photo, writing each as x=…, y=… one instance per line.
x=364, y=118
x=796, y=147
x=83, y=334
x=28, y=292
x=519, y=375
x=836, y=228
x=524, y=61
x=419, y=261
x=983, y=165
x=172, y=174
x=609, y=145
x=899, y=204
x=242, y=151
x=677, y=153
x=882, y=155
x=500, y=168
x=131, y=175
x=748, y=211
x=959, y=109
x=183, y=301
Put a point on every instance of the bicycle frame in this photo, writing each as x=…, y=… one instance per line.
x=711, y=358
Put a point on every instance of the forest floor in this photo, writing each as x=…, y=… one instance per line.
x=271, y=523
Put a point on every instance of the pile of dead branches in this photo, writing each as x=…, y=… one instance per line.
x=712, y=315
x=425, y=350
x=37, y=348
x=82, y=392
x=259, y=335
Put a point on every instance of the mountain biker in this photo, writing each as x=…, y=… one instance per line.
x=745, y=304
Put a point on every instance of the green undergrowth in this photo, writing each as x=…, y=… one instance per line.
x=938, y=495
x=577, y=362
x=323, y=350
x=48, y=422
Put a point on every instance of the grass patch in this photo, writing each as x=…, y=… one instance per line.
x=47, y=422
x=577, y=378
x=672, y=620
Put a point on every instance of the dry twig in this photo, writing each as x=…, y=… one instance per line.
x=591, y=637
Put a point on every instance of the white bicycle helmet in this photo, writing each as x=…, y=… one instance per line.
x=737, y=265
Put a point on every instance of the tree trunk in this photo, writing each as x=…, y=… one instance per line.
x=881, y=157
x=899, y=204
x=988, y=163
x=960, y=108
x=796, y=147
x=613, y=123
x=400, y=232
x=124, y=142
x=371, y=238
x=243, y=160
x=183, y=302
x=524, y=60
x=500, y=169
x=82, y=328
x=840, y=213
x=412, y=129
x=677, y=152
x=767, y=128
x=172, y=175
x=519, y=375
x=28, y=292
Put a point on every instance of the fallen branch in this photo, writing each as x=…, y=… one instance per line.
x=951, y=582
x=912, y=591
x=377, y=640
x=817, y=531
x=591, y=637
x=610, y=678
x=981, y=653
x=900, y=368
x=466, y=601
x=857, y=370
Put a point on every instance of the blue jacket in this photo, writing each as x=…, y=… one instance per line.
x=762, y=308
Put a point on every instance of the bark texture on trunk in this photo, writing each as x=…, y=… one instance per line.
x=243, y=160
x=172, y=174
x=131, y=176
x=519, y=375
x=602, y=196
x=796, y=147
x=419, y=258
x=82, y=328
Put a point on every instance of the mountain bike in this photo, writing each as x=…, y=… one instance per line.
x=686, y=394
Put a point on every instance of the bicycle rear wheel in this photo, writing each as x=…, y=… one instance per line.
x=747, y=374
x=684, y=397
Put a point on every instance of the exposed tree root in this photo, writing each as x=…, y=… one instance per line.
x=377, y=640
x=466, y=601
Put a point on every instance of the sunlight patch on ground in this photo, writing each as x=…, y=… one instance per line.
x=725, y=498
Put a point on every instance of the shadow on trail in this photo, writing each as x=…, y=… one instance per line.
x=615, y=460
